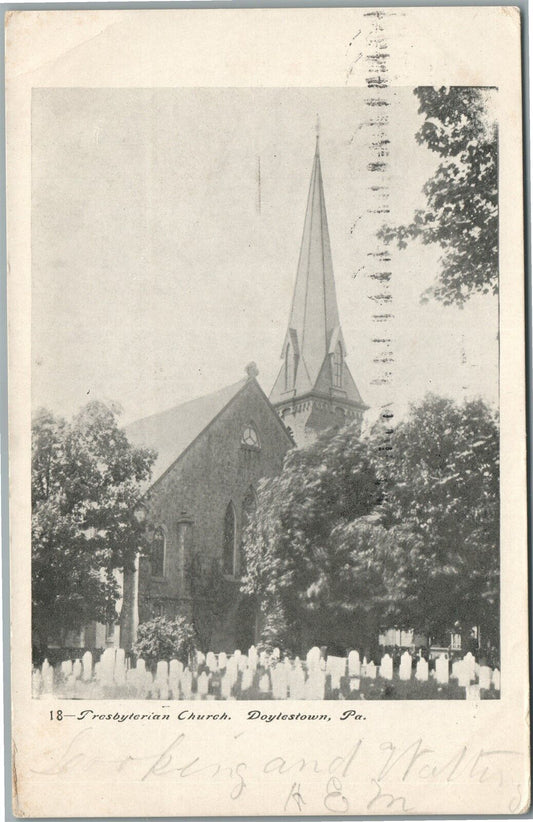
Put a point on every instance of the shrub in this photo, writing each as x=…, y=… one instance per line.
x=165, y=638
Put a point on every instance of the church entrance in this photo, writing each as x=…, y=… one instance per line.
x=245, y=622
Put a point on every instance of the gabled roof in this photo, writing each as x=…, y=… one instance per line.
x=171, y=432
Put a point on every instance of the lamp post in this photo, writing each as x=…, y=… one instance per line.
x=129, y=615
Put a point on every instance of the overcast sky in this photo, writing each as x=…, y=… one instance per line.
x=157, y=277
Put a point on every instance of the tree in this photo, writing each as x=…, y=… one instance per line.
x=352, y=537
x=86, y=484
x=441, y=482
x=461, y=213
x=164, y=638
x=307, y=557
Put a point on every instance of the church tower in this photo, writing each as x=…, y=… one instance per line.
x=315, y=389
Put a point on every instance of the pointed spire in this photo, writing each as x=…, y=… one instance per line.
x=314, y=313
x=314, y=351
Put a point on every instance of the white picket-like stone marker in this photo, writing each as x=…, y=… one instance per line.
x=364, y=663
x=186, y=683
x=66, y=668
x=87, y=665
x=161, y=673
x=371, y=670
x=222, y=660
x=406, y=665
x=252, y=656
x=422, y=670
x=313, y=658
x=107, y=666
x=247, y=679
x=463, y=675
x=385, y=669
x=203, y=684
x=225, y=686
x=297, y=683
x=77, y=669
x=484, y=677
x=469, y=661
x=442, y=669
x=496, y=679
x=264, y=683
x=211, y=661
x=354, y=663
x=175, y=667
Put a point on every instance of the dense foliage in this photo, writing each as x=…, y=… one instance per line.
x=442, y=479
x=352, y=536
x=86, y=484
x=164, y=638
x=461, y=213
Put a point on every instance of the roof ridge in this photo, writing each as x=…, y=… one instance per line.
x=171, y=408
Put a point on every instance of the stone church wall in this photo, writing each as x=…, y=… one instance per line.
x=189, y=502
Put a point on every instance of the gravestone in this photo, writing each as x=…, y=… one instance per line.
x=406, y=664
x=107, y=666
x=161, y=673
x=484, y=677
x=87, y=665
x=371, y=670
x=252, y=656
x=186, y=683
x=385, y=669
x=264, y=683
x=66, y=668
x=442, y=670
x=225, y=686
x=247, y=679
x=469, y=661
x=354, y=664
x=203, y=684
x=313, y=658
x=422, y=670
x=463, y=674
x=297, y=683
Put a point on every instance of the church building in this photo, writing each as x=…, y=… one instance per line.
x=213, y=451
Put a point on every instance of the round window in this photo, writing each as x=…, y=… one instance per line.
x=250, y=437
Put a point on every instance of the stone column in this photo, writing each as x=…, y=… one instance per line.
x=129, y=615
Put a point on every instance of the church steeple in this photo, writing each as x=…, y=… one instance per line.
x=314, y=375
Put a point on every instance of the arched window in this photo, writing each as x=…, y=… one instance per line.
x=249, y=504
x=337, y=366
x=228, y=549
x=157, y=554
x=289, y=367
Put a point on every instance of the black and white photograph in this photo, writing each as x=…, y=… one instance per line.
x=265, y=439
x=267, y=423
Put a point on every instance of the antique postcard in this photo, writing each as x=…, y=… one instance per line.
x=267, y=412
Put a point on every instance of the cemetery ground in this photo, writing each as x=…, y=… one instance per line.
x=266, y=676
